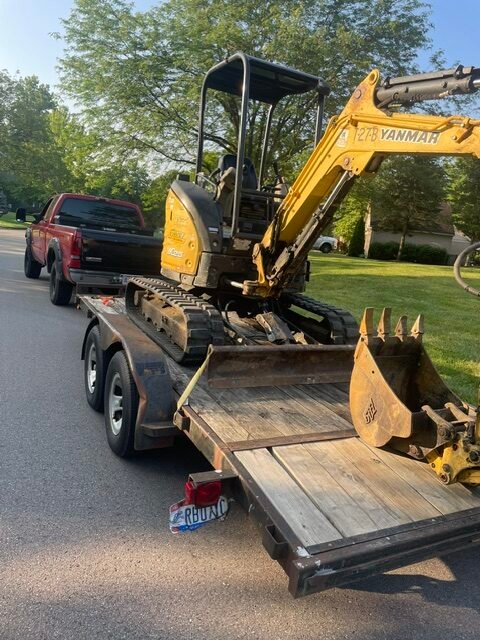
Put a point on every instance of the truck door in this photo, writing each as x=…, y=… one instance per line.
x=39, y=232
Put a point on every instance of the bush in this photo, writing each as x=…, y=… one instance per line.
x=383, y=250
x=431, y=255
x=421, y=253
x=356, y=245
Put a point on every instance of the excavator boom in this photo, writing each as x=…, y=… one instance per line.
x=355, y=143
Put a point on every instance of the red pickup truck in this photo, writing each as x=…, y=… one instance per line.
x=89, y=243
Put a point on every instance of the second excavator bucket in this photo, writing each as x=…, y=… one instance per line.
x=398, y=398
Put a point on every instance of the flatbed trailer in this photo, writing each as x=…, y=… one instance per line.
x=330, y=508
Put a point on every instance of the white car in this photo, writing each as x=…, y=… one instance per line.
x=325, y=244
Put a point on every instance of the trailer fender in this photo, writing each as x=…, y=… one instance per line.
x=150, y=373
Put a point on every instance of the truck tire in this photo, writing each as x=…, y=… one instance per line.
x=121, y=406
x=94, y=376
x=60, y=290
x=326, y=248
x=31, y=267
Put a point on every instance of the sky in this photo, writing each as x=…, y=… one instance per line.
x=27, y=47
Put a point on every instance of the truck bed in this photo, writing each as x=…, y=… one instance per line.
x=332, y=509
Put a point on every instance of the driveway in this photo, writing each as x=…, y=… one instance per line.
x=85, y=550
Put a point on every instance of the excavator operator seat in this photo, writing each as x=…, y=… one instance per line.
x=255, y=212
x=249, y=180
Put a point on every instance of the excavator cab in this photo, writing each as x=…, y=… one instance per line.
x=213, y=223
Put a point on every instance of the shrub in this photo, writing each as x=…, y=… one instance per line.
x=431, y=255
x=356, y=244
x=383, y=250
x=421, y=253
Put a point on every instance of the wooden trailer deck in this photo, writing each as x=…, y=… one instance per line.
x=330, y=488
x=331, y=508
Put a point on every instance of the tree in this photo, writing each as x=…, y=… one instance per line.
x=349, y=221
x=463, y=193
x=408, y=194
x=154, y=199
x=30, y=164
x=137, y=76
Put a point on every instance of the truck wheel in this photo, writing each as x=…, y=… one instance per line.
x=31, y=267
x=93, y=370
x=121, y=405
x=60, y=290
x=326, y=248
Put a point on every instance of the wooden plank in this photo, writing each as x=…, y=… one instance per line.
x=447, y=499
x=222, y=422
x=271, y=411
x=323, y=489
x=302, y=438
x=307, y=522
x=356, y=485
x=257, y=414
x=401, y=497
x=311, y=396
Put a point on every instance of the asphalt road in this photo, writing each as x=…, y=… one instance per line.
x=85, y=550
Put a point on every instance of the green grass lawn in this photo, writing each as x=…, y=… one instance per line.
x=452, y=330
x=7, y=221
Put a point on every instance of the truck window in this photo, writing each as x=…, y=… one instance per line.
x=43, y=212
x=102, y=215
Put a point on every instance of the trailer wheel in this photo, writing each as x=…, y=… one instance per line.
x=121, y=405
x=31, y=267
x=94, y=377
x=60, y=290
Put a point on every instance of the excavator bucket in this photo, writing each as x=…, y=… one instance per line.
x=276, y=365
x=398, y=398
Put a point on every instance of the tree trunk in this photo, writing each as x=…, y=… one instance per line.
x=402, y=240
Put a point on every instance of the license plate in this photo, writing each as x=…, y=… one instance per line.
x=188, y=517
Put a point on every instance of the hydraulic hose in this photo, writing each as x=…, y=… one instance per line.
x=457, y=269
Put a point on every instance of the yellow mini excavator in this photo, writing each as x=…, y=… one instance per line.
x=235, y=261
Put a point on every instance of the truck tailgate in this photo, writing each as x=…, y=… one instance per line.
x=120, y=252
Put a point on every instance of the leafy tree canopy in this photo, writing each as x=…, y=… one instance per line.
x=44, y=149
x=463, y=193
x=137, y=75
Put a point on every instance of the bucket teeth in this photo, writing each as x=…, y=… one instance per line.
x=384, y=326
x=366, y=324
x=418, y=328
x=401, y=330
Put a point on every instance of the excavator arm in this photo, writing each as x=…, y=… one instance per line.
x=355, y=143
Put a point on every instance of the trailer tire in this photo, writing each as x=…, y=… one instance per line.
x=326, y=247
x=94, y=375
x=121, y=406
x=31, y=267
x=60, y=290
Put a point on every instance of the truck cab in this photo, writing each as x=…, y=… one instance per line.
x=89, y=243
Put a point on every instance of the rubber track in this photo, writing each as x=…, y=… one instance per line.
x=343, y=326
x=204, y=324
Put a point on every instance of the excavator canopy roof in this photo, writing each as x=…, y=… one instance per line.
x=269, y=82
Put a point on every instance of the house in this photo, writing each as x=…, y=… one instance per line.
x=439, y=233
